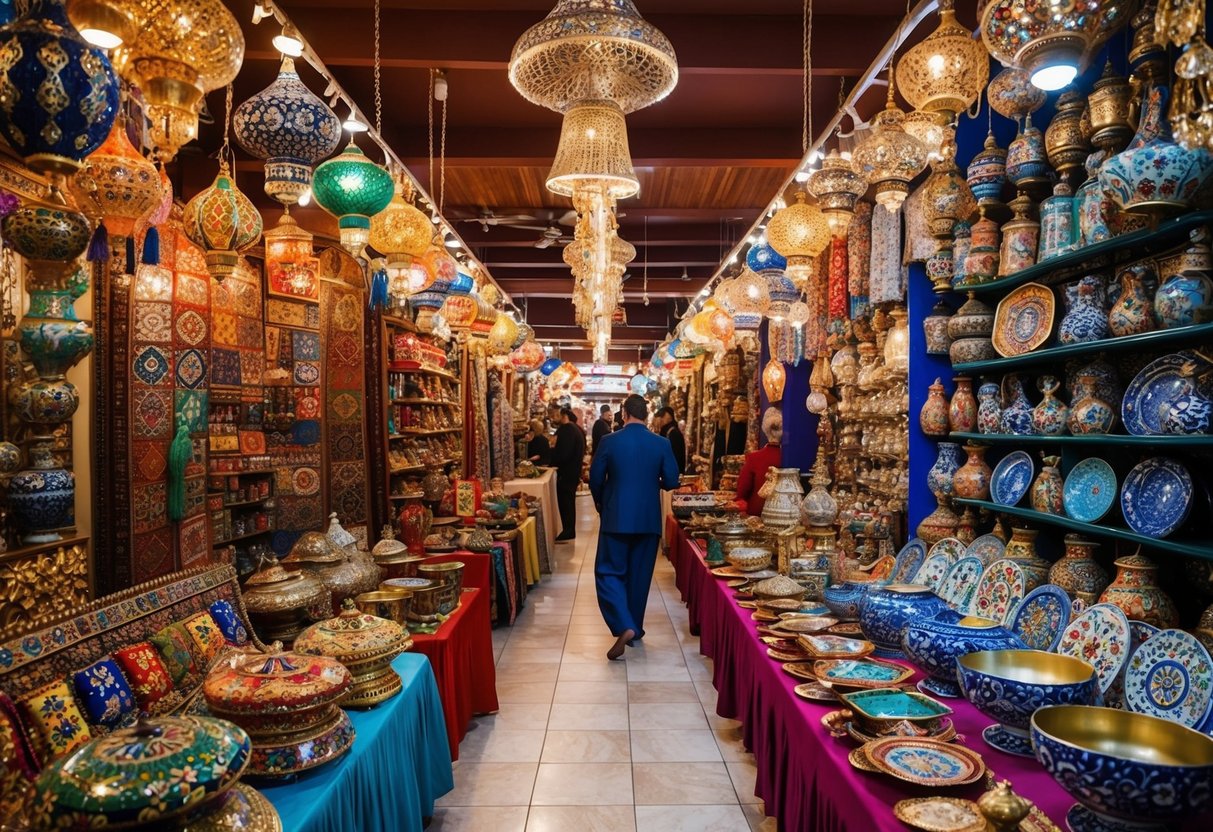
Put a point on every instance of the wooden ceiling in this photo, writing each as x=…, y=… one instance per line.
x=709, y=158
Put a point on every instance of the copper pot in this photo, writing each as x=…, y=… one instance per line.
x=394, y=605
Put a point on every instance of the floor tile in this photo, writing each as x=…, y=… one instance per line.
x=586, y=747
x=661, y=784
x=478, y=818
x=589, y=718
x=759, y=822
x=690, y=819
x=657, y=717
x=492, y=784
x=517, y=715
x=660, y=692
x=603, y=671
x=583, y=784
x=581, y=819
x=524, y=691
x=743, y=773
x=686, y=746
x=491, y=744
x=580, y=693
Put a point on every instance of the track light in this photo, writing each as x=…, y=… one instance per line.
x=261, y=11
x=353, y=123
x=440, y=86
x=289, y=43
x=306, y=198
x=802, y=176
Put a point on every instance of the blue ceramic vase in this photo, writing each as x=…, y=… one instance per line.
x=42, y=496
x=1085, y=319
x=886, y=612
x=947, y=463
x=844, y=599
x=935, y=645
x=1016, y=415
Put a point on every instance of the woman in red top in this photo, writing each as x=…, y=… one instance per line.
x=754, y=471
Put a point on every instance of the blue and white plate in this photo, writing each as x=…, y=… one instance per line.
x=1139, y=633
x=934, y=570
x=908, y=560
x=1040, y=618
x=960, y=584
x=1089, y=490
x=1012, y=478
x=1170, y=676
x=1152, y=391
x=1156, y=496
x=987, y=548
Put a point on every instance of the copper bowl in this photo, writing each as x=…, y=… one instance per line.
x=394, y=605
x=426, y=602
x=450, y=576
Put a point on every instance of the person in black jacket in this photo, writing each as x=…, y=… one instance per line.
x=667, y=425
x=567, y=456
x=602, y=427
x=538, y=448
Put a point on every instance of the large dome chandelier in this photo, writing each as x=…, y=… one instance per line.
x=889, y=156
x=947, y=71
x=800, y=232
x=837, y=186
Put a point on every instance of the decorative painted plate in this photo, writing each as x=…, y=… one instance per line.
x=999, y=591
x=1089, y=490
x=860, y=674
x=925, y=762
x=943, y=730
x=858, y=760
x=836, y=647
x=1012, y=477
x=1139, y=633
x=908, y=560
x=940, y=814
x=895, y=704
x=933, y=570
x=786, y=655
x=306, y=481
x=805, y=624
x=1158, y=385
x=1023, y=320
x=949, y=546
x=987, y=548
x=1156, y=496
x=801, y=670
x=960, y=585
x=1170, y=676
x=846, y=628
x=1100, y=637
x=815, y=692
x=1041, y=617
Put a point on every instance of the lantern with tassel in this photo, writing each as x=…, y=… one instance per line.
x=353, y=189
x=116, y=183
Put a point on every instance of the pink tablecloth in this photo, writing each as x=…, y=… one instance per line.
x=803, y=774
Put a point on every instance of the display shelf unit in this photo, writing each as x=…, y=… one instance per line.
x=1106, y=440
x=1190, y=548
x=221, y=516
x=1055, y=355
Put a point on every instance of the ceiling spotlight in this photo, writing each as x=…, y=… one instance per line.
x=103, y=23
x=261, y=11
x=802, y=176
x=453, y=242
x=289, y=43
x=685, y=278
x=353, y=123
x=1052, y=77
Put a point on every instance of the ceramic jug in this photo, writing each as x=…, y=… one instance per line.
x=933, y=418
x=1021, y=548
x=1135, y=590
x=1016, y=416
x=981, y=260
x=1090, y=414
x=935, y=329
x=1091, y=204
x=42, y=496
x=1049, y=417
x=947, y=463
x=937, y=525
x=1046, y=490
x=1085, y=319
x=1057, y=223
x=989, y=412
x=1185, y=293
x=962, y=410
x=782, y=508
x=966, y=529
x=1133, y=312
x=972, y=480
x=1077, y=572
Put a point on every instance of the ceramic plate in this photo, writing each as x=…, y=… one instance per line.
x=859, y=674
x=1012, y=478
x=925, y=762
x=949, y=546
x=1156, y=496
x=999, y=591
x=908, y=560
x=1159, y=384
x=860, y=761
x=1023, y=320
x=1089, y=490
x=1170, y=676
x=934, y=569
x=801, y=670
x=1099, y=637
x=786, y=655
x=815, y=692
x=836, y=647
x=1139, y=633
x=986, y=548
x=939, y=814
x=943, y=731
x=1041, y=617
x=805, y=624
x=960, y=584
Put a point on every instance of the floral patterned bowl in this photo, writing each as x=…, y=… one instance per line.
x=887, y=611
x=844, y=599
x=936, y=644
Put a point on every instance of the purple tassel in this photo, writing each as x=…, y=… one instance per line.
x=379, y=289
x=99, y=245
x=151, y=246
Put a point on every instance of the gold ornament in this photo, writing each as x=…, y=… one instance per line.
x=889, y=157
x=837, y=186
x=594, y=146
x=401, y=231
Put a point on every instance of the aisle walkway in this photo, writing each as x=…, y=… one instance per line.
x=586, y=745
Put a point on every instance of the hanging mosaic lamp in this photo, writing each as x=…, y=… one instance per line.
x=103, y=23
x=289, y=127
x=184, y=49
x=564, y=375
x=800, y=232
x=548, y=367
x=749, y=299
x=116, y=183
x=837, y=186
x=401, y=230
x=527, y=357
x=774, y=378
x=502, y=335
x=353, y=189
x=290, y=247
x=58, y=94
x=1012, y=95
x=889, y=157
x=594, y=146
x=781, y=291
x=222, y=222
x=50, y=238
x=947, y=70
x=1052, y=42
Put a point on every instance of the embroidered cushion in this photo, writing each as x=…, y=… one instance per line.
x=104, y=693
x=61, y=726
x=229, y=622
x=176, y=649
x=20, y=766
x=208, y=640
x=148, y=677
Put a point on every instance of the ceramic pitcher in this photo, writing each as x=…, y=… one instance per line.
x=1085, y=319
x=1133, y=311
x=972, y=480
x=782, y=508
x=933, y=418
x=1046, y=490
x=1049, y=417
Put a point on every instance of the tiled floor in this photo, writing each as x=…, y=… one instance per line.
x=588, y=745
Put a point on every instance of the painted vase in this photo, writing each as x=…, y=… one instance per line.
x=10, y=458
x=1132, y=313
x=947, y=463
x=1049, y=417
x=1077, y=571
x=415, y=520
x=935, y=329
x=937, y=525
x=886, y=612
x=974, y=319
x=972, y=480
x=43, y=495
x=987, y=173
x=1090, y=414
x=933, y=418
x=962, y=240
x=1057, y=223
x=782, y=509
x=50, y=333
x=966, y=529
x=46, y=401
x=1135, y=590
x=1188, y=414
x=1021, y=548
x=1046, y=490
x=1096, y=378
x=1027, y=159
x=989, y=412
x=1091, y=204
x=981, y=261
x=1085, y=319
x=818, y=508
x=962, y=410
x=1185, y=293
x=1016, y=415
x=939, y=268
x=1020, y=238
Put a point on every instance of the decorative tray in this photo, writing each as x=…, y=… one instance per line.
x=860, y=674
x=925, y=762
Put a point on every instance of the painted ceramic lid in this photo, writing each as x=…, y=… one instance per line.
x=274, y=682
x=142, y=775
x=354, y=637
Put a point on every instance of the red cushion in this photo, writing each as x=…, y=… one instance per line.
x=146, y=672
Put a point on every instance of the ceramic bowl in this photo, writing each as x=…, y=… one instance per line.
x=935, y=645
x=1121, y=766
x=844, y=599
x=1009, y=685
x=887, y=611
x=749, y=558
x=966, y=350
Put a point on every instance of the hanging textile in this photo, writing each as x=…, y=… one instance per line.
x=839, y=275
x=502, y=429
x=887, y=283
x=815, y=298
x=859, y=257
x=919, y=243
x=481, y=466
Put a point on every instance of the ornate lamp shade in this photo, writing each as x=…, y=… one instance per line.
x=800, y=232
x=837, y=186
x=103, y=23
x=931, y=130
x=116, y=180
x=50, y=237
x=798, y=313
x=748, y=300
x=639, y=384
x=527, y=357
x=400, y=230
x=1012, y=94
x=764, y=256
x=889, y=157
x=774, y=377
x=222, y=222
x=947, y=197
x=459, y=311
x=720, y=325
x=184, y=49
x=783, y=294
x=548, y=367
x=897, y=343
x=947, y=70
x=289, y=127
x=462, y=284
x=289, y=246
x=353, y=189
x=58, y=94
x=594, y=146
x=1052, y=42
x=502, y=335
x=441, y=271
x=987, y=172
x=591, y=50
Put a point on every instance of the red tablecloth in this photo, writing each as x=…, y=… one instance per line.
x=462, y=655
x=476, y=570
x=804, y=778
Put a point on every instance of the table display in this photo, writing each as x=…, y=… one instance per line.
x=543, y=488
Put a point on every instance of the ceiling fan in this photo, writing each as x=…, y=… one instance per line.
x=552, y=235
x=487, y=218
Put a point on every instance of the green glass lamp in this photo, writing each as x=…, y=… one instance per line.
x=353, y=189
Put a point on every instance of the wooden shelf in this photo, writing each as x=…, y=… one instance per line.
x=405, y=496
x=1113, y=440
x=399, y=323
x=426, y=432
x=407, y=469
x=425, y=401
x=426, y=371
x=242, y=537
x=1055, y=355
x=241, y=473
x=1169, y=234
x=247, y=502
x=1190, y=548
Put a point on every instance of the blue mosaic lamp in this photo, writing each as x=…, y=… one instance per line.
x=548, y=367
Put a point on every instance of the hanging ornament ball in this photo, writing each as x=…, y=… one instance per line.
x=762, y=257
x=353, y=189
x=548, y=367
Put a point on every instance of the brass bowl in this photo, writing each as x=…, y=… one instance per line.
x=749, y=558
x=394, y=605
x=404, y=584
x=426, y=602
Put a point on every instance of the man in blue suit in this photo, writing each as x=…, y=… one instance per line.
x=631, y=467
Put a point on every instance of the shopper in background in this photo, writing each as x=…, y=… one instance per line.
x=630, y=470
x=667, y=425
x=538, y=448
x=618, y=419
x=567, y=456
x=754, y=470
x=602, y=427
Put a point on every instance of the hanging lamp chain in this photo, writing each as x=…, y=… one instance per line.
x=430, y=121
x=442, y=161
x=807, y=80
x=225, y=150
x=378, y=73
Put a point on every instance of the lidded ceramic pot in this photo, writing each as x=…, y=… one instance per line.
x=981, y=261
x=1135, y=590
x=344, y=576
x=970, y=329
x=289, y=705
x=935, y=329
x=1020, y=238
x=1078, y=573
x=366, y=645
x=281, y=603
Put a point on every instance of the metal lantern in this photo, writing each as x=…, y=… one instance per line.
x=837, y=186
x=223, y=222
x=291, y=128
x=748, y=300
x=289, y=247
x=947, y=70
x=931, y=130
x=889, y=157
x=1012, y=95
x=353, y=189
x=116, y=180
x=459, y=311
x=58, y=94
x=103, y=23
x=502, y=335
x=527, y=357
x=800, y=232
x=774, y=378
x=401, y=230
x=594, y=146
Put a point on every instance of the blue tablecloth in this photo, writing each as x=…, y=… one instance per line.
x=399, y=765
